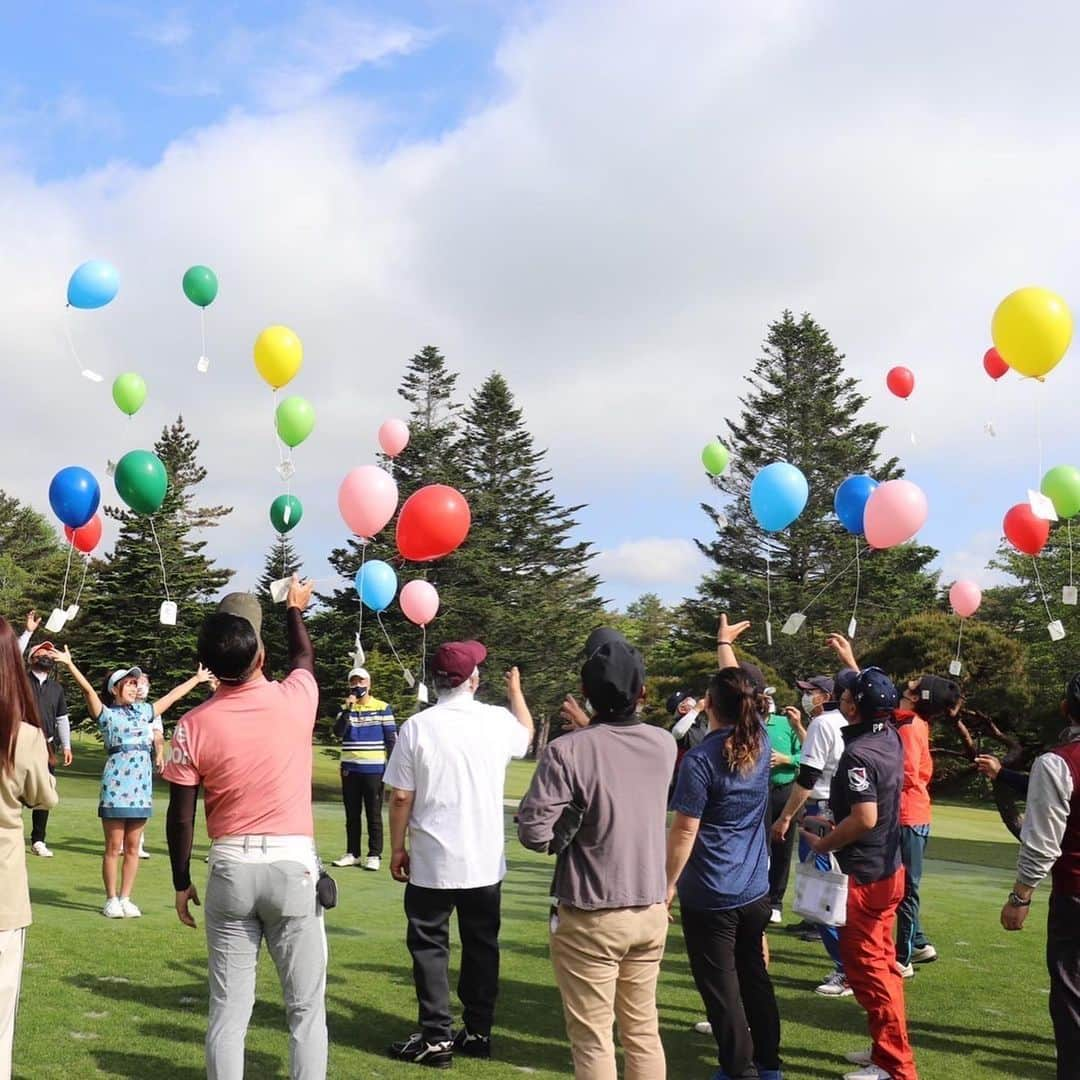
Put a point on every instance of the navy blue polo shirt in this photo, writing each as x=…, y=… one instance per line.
x=871, y=769
x=729, y=865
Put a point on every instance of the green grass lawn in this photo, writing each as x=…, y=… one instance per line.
x=106, y=998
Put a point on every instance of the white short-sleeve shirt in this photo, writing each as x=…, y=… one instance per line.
x=453, y=758
x=823, y=747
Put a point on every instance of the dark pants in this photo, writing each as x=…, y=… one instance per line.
x=39, y=819
x=909, y=932
x=428, y=938
x=362, y=793
x=780, y=853
x=1063, y=962
x=726, y=959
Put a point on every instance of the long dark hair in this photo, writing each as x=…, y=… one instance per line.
x=17, y=704
x=735, y=701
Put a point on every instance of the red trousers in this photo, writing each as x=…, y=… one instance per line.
x=868, y=953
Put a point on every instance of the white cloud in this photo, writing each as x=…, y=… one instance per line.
x=170, y=32
x=655, y=563
x=970, y=562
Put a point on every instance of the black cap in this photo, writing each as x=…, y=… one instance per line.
x=613, y=677
x=875, y=693
x=602, y=635
x=676, y=699
x=936, y=694
x=817, y=682
x=847, y=679
x=753, y=673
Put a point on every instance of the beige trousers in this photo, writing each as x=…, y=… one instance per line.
x=606, y=966
x=11, y=962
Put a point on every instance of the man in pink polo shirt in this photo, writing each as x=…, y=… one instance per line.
x=249, y=747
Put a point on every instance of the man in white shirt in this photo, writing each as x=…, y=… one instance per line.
x=448, y=774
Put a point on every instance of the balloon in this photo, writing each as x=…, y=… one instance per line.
x=367, y=499
x=433, y=522
x=1061, y=485
x=74, y=495
x=777, y=495
x=965, y=598
x=278, y=508
x=900, y=381
x=895, y=512
x=393, y=437
x=129, y=392
x=1026, y=532
x=419, y=602
x=993, y=365
x=86, y=538
x=376, y=584
x=278, y=355
x=200, y=285
x=93, y=284
x=714, y=457
x=1032, y=329
x=294, y=419
x=850, y=501
x=141, y=481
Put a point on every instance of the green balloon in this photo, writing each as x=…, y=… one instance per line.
x=141, y=481
x=295, y=419
x=1061, y=485
x=285, y=513
x=714, y=457
x=129, y=392
x=200, y=285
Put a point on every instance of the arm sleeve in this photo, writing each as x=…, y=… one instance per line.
x=814, y=750
x=341, y=722
x=808, y=776
x=180, y=832
x=180, y=769
x=909, y=738
x=519, y=736
x=549, y=794
x=684, y=724
x=1015, y=779
x=301, y=652
x=1045, y=817
x=399, y=769
x=63, y=731
x=860, y=778
x=39, y=786
x=691, y=787
x=24, y=640
x=389, y=732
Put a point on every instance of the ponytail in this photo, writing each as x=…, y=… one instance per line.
x=736, y=702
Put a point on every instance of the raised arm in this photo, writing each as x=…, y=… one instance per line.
x=726, y=636
x=516, y=700
x=301, y=652
x=163, y=705
x=93, y=702
x=842, y=647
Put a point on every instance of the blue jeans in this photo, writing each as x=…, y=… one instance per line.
x=909, y=932
x=830, y=935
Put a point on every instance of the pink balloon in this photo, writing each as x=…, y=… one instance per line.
x=367, y=499
x=965, y=597
x=393, y=437
x=419, y=602
x=895, y=512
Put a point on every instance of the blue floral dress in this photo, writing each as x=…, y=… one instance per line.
x=128, y=780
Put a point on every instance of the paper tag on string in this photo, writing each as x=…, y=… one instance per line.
x=1055, y=630
x=410, y=678
x=56, y=621
x=110, y=468
x=167, y=614
x=1068, y=595
x=914, y=441
x=794, y=623
x=93, y=376
x=1041, y=506
x=988, y=427
x=279, y=589
x=768, y=631
x=955, y=667
x=286, y=470
x=203, y=365
x=851, y=627
x=421, y=693
x=72, y=611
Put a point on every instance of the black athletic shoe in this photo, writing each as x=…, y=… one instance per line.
x=474, y=1046
x=418, y=1051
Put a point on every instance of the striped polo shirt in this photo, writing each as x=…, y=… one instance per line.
x=368, y=733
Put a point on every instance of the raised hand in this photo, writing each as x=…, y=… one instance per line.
x=33, y=621
x=299, y=593
x=842, y=647
x=573, y=715
x=729, y=633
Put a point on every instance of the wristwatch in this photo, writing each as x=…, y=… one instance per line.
x=1015, y=900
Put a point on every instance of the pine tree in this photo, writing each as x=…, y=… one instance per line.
x=282, y=561
x=33, y=562
x=804, y=409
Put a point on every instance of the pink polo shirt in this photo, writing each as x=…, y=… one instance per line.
x=249, y=747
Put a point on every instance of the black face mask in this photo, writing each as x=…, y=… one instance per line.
x=45, y=664
x=358, y=691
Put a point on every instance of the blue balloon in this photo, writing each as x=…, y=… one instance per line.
x=850, y=501
x=93, y=284
x=376, y=584
x=778, y=495
x=74, y=496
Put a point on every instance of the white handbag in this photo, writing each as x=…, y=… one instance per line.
x=821, y=895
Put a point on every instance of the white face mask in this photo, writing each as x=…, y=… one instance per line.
x=142, y=691
x=808, y=703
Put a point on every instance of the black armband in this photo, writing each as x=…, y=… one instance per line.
x=808, y=777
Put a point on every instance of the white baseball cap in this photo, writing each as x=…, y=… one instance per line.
x=123, y=673
x=359, y=673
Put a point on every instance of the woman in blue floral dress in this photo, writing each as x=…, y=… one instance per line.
x=127, y=783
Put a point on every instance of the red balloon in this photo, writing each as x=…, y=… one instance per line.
x=85, y=537
x=1025, y=531
x=433, y=522
x=993, y=365
x=900, y=381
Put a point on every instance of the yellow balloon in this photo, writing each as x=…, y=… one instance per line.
x=1032, y=329
x=278, y=355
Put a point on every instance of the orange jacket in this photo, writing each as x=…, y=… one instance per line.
x=914, y=733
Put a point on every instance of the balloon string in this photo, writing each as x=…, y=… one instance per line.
x=202, y=323
x=161, y=558
x=1068, y=531
x=960, y=637
x=378, y=616
x=858, y=581
x=828, y=584
x=768, y=586
x=423, y=653
x=363, y=557
x=1042, y=591
x=67, y=571
x=93, y=376
x=277, y=441
x=1038, y=432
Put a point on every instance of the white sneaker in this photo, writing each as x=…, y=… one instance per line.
x=372, y=862
x=926, y=955
x=143, y=853
x=346, y=860
x=905, y=971
x=836, y=985
x=776, y=916
x=703, y=1027
x=868, y=1072
x=860, y=1057
x=38, y=848
x=129, y=910
x=112, y=908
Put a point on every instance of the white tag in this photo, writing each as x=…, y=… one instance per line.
x=71, y=612
x=851, y=627
x=988, y=427
x=286, y=514
x=410, y=678
x=553, y=923
x=286, y=470
x=1054, y=629
x=280, y=589
x=768, y=631
x=110, y=468
x=203, y=365
x=1041, y=506
x=93, y=376
x=955, y=667
x=914, y=441
x=794, y=623
x=167, y=614
x=1068, y=595
x=421, y=693
x=56, y=621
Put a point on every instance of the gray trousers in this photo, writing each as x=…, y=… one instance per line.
x=246, y=902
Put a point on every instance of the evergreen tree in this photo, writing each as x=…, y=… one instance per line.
x=33, y=562
x=282, y=561
x=804, y=409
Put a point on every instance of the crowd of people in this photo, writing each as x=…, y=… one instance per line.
x=637, y=817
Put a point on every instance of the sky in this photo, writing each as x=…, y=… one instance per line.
x=608, y=202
